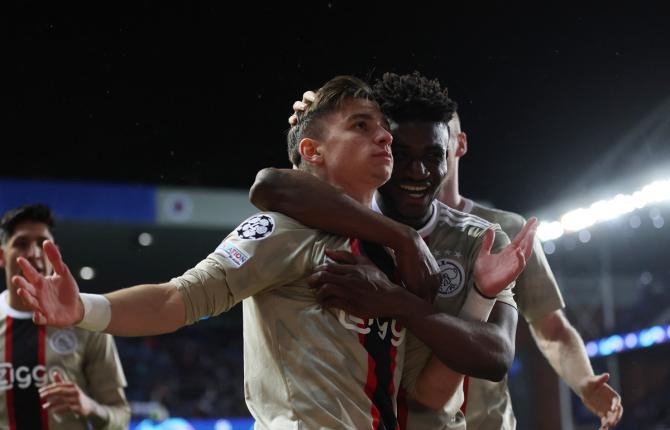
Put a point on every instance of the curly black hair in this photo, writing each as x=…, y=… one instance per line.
x=413, y=97
x=34, y=212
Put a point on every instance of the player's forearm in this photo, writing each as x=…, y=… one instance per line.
x=484, y=349
x=146, y=310
x=564, y=349
x=319, y=205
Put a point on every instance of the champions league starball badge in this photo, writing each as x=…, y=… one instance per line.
x=256, y=228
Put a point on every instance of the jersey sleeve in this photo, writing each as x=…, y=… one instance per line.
x=264, y=252
x=536, y=289
x=106, y=380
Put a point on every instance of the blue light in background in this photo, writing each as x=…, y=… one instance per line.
x=617, y=343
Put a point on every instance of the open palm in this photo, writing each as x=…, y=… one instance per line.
x=54, y=299
x=494, y=272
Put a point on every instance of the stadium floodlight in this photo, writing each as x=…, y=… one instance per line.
x=604, y=210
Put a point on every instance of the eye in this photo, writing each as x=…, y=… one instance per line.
x=361, y=125
x=435, y=157
x=21, y=243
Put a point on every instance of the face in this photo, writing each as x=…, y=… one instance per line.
x=356, y=148
x=26, y=242
x=420, y=156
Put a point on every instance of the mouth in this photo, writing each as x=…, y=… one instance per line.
x=415, y=191
x=385, y=155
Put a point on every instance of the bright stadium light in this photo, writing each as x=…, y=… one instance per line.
x=549, y=230
x=603, y=210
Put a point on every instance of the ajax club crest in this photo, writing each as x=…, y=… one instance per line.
x=452, y=277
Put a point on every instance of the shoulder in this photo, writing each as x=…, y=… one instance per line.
x=268, y=225
x=510, y=222
x=466, y=222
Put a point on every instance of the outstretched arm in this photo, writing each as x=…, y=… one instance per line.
x=137, y=311
x=320, y=205
x=564, y=348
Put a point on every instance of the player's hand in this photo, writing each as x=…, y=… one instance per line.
x=301, y=106
x=602, y=400
x=355, y=285
x=417, y=268
x=62, y=396
x=54, y=299
x=494, y=272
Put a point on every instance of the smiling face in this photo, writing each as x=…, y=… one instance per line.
x=420, y=167
x=25, y=241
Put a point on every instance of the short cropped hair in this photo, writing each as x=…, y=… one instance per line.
x=327, y=100
x=32, y=212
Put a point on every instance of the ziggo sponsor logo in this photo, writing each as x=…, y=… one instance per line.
x=23, y=376
x=364, y=327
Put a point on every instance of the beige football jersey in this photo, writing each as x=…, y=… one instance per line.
x=304, y=367
x=454, y=238
x=30, y=354
x=489, y=404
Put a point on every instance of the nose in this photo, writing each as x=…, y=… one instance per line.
x=417, y=170
x=34, y=251
x=384, y=137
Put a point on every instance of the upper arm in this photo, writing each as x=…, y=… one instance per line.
x=264, y=252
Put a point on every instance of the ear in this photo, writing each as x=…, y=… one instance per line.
x=309, y=151
x=461, y=145
x=2, y=257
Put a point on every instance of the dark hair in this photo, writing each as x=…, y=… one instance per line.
x=13, y=217
x=327, y=100
x=413, y=97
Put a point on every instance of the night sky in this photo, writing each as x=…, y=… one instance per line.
x=175, y=95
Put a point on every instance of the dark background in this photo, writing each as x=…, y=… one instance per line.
x=199, y=94
x=557, y=104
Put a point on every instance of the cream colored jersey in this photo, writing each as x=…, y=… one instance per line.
x=489, y=403
x=304, y=367
x=454, y=238
x=29, y=354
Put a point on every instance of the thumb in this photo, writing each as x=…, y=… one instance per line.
x=487, y=243
x=599, y=380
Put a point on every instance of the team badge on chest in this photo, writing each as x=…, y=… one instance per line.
x=63, y=341
x=452, y=277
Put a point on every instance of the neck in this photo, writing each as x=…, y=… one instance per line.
x=390, y=211
x=361, y=193
x=450, y=195
x=15, y=301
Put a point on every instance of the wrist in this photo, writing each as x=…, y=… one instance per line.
x=403, y=238
x=477, y=307
x=96, y=310
x=479, y=291
x=412, y=307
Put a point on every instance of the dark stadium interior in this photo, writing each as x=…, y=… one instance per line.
x=561, y=108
